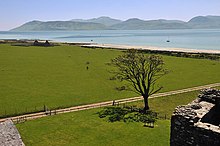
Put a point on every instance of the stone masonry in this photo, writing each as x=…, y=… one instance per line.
x=9, y=135
x=197, y=124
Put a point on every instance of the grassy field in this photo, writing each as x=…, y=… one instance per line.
x=31, y=77
x=85, y=128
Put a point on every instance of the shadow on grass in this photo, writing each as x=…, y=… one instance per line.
x=128, y=114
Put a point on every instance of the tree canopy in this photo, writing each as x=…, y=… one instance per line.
x=140, y=71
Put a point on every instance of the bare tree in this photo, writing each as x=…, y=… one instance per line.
x=140, y=72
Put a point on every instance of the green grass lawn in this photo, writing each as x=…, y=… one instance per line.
x=86, y=128
x=31, y=77
x=165, y=105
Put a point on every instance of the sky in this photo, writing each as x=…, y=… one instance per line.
x=14, y=13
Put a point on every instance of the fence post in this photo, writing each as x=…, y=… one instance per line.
x=113, y=102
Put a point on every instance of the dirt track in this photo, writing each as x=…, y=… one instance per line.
x=22, y=118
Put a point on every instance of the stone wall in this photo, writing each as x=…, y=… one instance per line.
x=188, y=127
x=9, y=135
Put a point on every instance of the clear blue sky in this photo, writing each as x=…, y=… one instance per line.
x=16, y=12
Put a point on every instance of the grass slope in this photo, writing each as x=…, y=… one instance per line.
x=85, y=128
x=57, y=77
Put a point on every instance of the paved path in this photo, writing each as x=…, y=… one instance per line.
x=101, y=104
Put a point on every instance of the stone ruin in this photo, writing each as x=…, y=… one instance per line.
x=37, y=43
x=198, y=123
x=9, y=135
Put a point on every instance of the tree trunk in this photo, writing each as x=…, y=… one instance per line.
x=146, y=106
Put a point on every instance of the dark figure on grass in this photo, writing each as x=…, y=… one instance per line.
x=140, y=72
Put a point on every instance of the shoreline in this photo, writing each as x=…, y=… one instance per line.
x=121, y=47
x=150, y=48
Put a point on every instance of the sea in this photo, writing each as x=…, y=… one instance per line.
x=199, y=39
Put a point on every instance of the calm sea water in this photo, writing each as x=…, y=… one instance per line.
x=185, y=38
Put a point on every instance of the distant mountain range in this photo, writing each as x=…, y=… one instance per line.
x=107, y=23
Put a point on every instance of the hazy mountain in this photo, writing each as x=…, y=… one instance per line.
x=103, y=23
x=205, y=22
x=199, y=22
x=28, y=26
x=130, y=24
x=135, y=23
x=59, y=25
x=102, y=20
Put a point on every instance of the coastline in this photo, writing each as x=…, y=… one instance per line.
x=150, y=48
x=119, y=46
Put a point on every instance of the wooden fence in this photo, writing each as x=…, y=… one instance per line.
x=47, y=112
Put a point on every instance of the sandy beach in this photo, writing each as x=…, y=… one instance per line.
x=151, y=48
